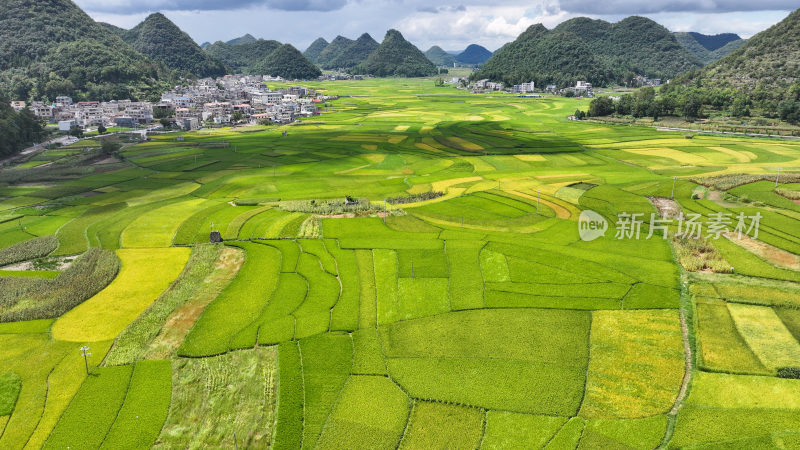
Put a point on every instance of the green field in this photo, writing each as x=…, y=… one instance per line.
x=476, y=319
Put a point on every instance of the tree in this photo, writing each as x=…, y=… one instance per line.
x=740, y=106
x=691, y=107
x=439, y=82
x=76, y=131
x=165, y=122
x=101, y=129
x=237, y=116
x=110, y=146
x=601, y=106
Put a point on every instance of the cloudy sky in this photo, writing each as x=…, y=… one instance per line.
x=451, y=24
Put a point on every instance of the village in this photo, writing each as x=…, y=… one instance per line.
x=206, y=102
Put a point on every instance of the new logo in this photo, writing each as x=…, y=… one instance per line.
x=591, y=225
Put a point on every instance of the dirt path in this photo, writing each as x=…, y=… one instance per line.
x=687, y=374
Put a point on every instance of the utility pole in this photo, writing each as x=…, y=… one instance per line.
x=538, y=194
x=235, y=442
x=85, y=352
x=777, y=176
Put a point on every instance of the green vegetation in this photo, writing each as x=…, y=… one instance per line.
x=20, y=129
x=38, y=298
x=762, y=72
x=203, y=413
x=287, y=62
x=709, y=48
x=242, y=58
x=162, y=41
x=474, y=54
x=10, y=385
x=313, y=51
x=590, y=50
x=30, y=249
x=437, y=425
x=352, y=55
x=396, y=57
x=477, y=317
x=53, y=48
x=440, y=57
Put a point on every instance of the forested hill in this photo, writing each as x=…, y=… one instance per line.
x=709, y=48
x=396, y=57
x=336, y=48
x=354, y=54
x=545, y=57
x=313, y=50
x=766, y=68
x=287, y=62
x=51, y=47
x=593, y=50
x=474, y=54
x=440, y=57
x=162, y=40
x=242, y=58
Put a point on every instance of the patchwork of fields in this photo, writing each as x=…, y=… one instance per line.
x=477, y=318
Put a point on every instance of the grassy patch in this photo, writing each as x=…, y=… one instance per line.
x=213, y=398
x=439, y=425
x=371, y=413
x=514, y=430
x=10, y=385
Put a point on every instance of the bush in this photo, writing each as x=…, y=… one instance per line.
x=29, y=298
x=414, y=198
x=789, y=372
x=30, y=249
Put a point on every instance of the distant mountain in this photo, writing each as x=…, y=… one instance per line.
x=313, y=50
x=396, y=57
x=765, y=67
x=716, y=41
x=474, y=54
x=204, y=45
x=246, y=39
x=709, y=48
x=51, y=47
x=160, y=39
x=354, y=54
x=440, y=57
x=242, y=58
x=287, y=62
x=592, y=50
x=335, y=49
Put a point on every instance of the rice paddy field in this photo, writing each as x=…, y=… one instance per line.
x=477, y=317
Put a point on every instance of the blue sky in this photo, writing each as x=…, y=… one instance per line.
x=450, y=24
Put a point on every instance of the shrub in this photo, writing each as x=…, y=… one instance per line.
x=29, y=298
x=412, y=198
x=789, y=372
x=30, y=249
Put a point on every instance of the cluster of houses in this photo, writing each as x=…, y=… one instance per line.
x=69, y=114
x=208, y=101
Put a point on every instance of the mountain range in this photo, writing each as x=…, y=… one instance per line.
x=440, y=57
x=592, y=50
x=474, y=54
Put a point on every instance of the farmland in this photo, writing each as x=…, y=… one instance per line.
x=471, y=315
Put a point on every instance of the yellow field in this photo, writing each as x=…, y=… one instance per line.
x=143, y=276
x=766, y=335
x=676, y=155
x=636, y=364
x=530, y=158
x=743, y=391
x=742, y=157
x=157, y=228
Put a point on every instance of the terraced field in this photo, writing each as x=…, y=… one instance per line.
x=476, y=318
